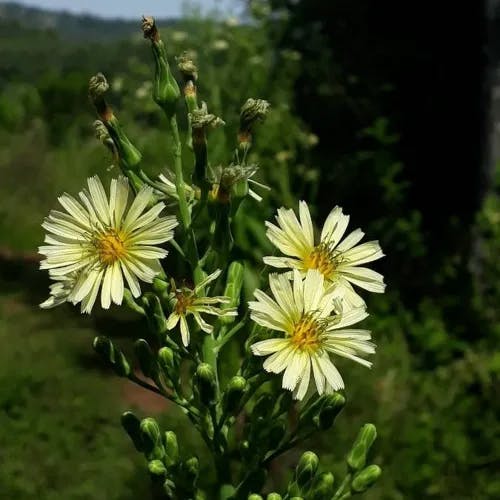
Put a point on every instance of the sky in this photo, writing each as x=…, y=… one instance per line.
x=130, y=9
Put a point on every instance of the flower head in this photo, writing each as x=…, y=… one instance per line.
x=186, y=301
x=225, y=178
x=60, y=290
x=339, y=261
x=99, y=241
x=311, y=321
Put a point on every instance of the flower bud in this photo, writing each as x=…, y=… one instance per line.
x=252, y=111
x=191, y=469
x=128, y=155
x=332, y=406
x=151, y=437
x=274, y=496
x=293, y=490
x=102, y=135
x=323, y=486
x=112, y=356
x=154, y=313
x=356, y=458
x=157, y=468
x=132, y=426
x=306, y=468
x=234, y=284
x=235, y=390
x=364, y=479
x=165, y=88
x=254, y=496
x=130, y=302
x=160, y=285
x=146, y=358
x=187, y=67
x=166, y=360
x=171, y=448
x=205, y=384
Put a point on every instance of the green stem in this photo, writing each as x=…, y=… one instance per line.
x=179, y=176
x=226, y=337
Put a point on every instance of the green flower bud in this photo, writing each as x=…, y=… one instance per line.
x=146, y=358
x=254, y=496
x=151, y=437
x=128, y=155
x=205, y=384
x=322, y=412
x=297, y=498
x=331, y=408
x=356, y=458
x=364, y=479
x=227, y=491
x=166, y=91
x=252, y=111
x=132, y=426
x=155, y=315
x=112, y=356
x=191, y=468
x=187, y=67
x=293, y=489
x=323, y=486
x=235, y=390
x=166, y=360
x=274, y=496
x=160, y=285
x=131, y=303
x=234, y=284
x=171, y=448
x=306, y=468
x=157, y=468
x=169, y=488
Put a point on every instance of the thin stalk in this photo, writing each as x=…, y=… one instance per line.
x=179, y=175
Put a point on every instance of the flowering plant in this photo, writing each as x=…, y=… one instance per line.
x=111, y=245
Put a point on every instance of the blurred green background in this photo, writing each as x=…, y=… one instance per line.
x=371, y=110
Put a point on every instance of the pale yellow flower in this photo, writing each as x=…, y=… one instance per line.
x=339, y=259
x=312, y=326
x=104, y=242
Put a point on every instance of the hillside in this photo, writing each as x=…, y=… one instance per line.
x=69, y=26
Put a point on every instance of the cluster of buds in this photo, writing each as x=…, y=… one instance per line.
x=106, y=245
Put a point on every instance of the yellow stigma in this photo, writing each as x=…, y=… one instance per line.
x=110, y=247
x=320, y=258
x=306, y=333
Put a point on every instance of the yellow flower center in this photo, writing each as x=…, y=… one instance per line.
x=110, y=246
x=306, y=333
x=321, y=258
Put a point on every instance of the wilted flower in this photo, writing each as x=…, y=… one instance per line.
x=187, y=301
